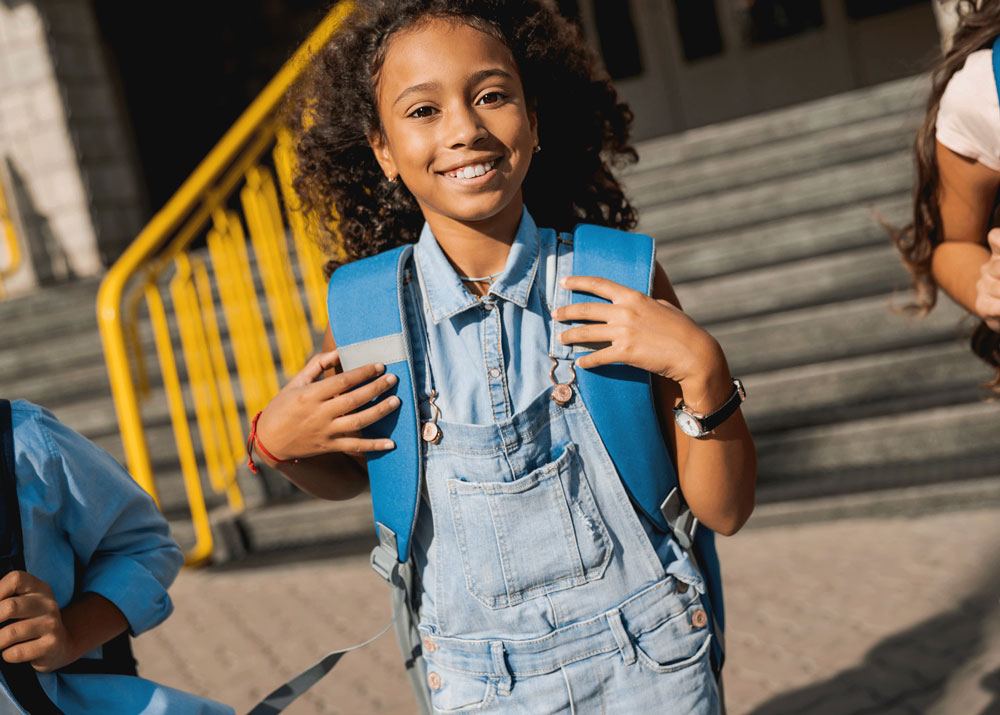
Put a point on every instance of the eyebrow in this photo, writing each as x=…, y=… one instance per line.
x=474, y=78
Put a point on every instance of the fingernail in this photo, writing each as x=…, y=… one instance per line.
x=391, y=379
x=380, y=367
x=388, y=444
x=394, y=401
x=562, y=281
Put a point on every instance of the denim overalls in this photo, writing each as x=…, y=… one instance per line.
x=540, y=589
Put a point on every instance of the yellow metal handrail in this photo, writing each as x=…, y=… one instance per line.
x=167, y=255
x=9, y=236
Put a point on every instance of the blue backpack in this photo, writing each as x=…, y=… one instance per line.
x=618, y=397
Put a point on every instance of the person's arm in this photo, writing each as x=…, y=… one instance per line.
x=46, y=636
x=962, y=264
x=316, y=419
x=717, y=472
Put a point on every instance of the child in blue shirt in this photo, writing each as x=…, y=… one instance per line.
x=98, y=558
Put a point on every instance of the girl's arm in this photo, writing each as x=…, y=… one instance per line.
x=961, y=262
x=45, y=636
x=316, y=419
x=718, y=472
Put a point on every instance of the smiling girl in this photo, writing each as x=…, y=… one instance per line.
x=463, y=127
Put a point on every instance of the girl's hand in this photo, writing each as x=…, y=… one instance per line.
x=314, y=415
x=644, y=332
x=988, y=285
x=37, y=634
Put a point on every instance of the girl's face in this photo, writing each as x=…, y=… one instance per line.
x=456, y=128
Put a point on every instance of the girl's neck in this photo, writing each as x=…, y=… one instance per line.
x=477, y=248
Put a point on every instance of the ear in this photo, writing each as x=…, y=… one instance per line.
x=533, y=121
x=383, y=154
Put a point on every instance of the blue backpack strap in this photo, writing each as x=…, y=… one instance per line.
x=636, y=444
x=21, y=678
x=365, y=305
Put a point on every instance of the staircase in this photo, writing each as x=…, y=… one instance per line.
x=767, y=229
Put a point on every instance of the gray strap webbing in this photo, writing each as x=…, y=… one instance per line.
x=386, y=350
x=287, y=693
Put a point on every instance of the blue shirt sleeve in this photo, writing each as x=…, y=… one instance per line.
x=112, y=524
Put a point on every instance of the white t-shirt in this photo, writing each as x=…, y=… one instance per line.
x=968, y=120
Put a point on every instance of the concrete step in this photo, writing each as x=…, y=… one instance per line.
x=780, y=159
x=922, y=446
x=896, y=381
x=850, y=328
x=787, y=239
x=807, y=282
x=862, y=183
x=905, y=96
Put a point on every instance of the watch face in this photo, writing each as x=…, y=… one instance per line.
x=688, y=424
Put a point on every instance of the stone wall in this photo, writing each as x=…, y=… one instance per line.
x=67, y=163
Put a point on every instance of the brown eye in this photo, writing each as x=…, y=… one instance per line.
x=422, y=112
x=491, y=98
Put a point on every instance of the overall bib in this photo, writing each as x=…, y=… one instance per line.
x=539, y=588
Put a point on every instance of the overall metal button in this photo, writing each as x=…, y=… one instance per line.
x=494, y=372
x=429, y=645
x=434, y=681
x=699, y=618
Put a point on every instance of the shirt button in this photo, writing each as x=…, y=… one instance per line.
x=699, y=618
x=429, y=645
x=434, y=681
x=494, y=372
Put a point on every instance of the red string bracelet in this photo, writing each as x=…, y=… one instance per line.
x=253, y=440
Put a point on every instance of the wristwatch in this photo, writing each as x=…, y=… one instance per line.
x=694, y=424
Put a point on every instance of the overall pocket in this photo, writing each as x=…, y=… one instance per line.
x=453, y=692
x=680, y=641
x=537, y=534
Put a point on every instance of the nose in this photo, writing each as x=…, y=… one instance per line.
x=465, y=127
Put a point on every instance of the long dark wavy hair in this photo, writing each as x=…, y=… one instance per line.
x=583, y=127
x=978, y=27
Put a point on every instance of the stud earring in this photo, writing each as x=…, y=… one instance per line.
x=392, y=179
x=538, y=148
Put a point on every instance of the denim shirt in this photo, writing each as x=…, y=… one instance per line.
x=488, y=357
x=88, y=527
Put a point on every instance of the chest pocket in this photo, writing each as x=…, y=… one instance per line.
x=537, y=534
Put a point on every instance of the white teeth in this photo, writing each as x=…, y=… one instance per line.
x=471, y=171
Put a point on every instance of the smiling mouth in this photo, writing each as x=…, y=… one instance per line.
x=471, y=171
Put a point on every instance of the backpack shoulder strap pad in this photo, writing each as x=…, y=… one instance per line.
x=367, y=319
x=614, y=391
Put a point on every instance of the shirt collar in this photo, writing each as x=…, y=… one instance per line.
x=447, y=296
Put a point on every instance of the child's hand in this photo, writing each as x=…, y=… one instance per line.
x=644, y=332
x=314, y=415
x=988, y=285
x=37, y=634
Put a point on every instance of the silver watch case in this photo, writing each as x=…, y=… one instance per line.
x=692, y=423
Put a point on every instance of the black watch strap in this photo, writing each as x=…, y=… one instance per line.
x=710, y=421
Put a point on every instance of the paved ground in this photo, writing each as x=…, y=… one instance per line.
x=889, y=616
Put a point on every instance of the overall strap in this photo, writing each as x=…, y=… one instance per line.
x=20, y=677
x=367, y=319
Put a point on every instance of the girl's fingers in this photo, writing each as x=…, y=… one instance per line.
x=338, y=384
x=29, y=650
x=19, y=582
x=21, y=631
x=360, y=396
x=615, y=292
x=355, y=421
x=596, y=312
x=26, y=606
x=596, y=333
x=314, y=368
x=994, y=240
x=604, y=356
x=357, y=445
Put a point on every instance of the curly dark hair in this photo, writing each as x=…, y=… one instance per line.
x=583, y=127
x=978, y=27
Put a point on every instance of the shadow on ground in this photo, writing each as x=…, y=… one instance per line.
x=908, y=672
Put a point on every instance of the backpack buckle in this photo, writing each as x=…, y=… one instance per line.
x=385, y=556
x=682, y=522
